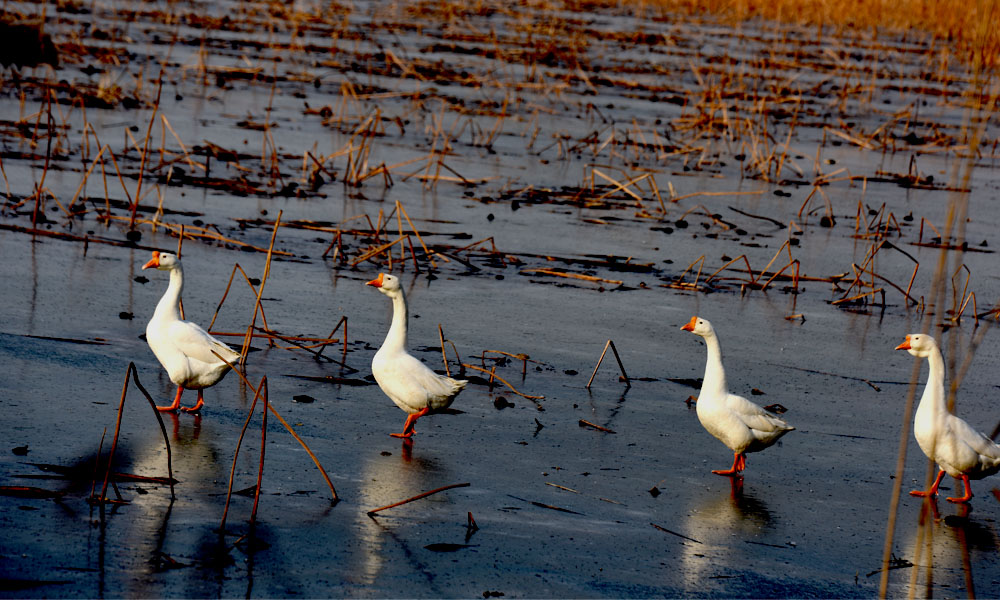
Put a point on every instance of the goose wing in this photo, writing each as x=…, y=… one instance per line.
x=755, y=417
x=407, y=379
x=988, y=451
x=194, y=342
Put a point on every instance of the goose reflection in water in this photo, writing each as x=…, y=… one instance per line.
x=719, y=522
x=943, y=550
x=389, y=478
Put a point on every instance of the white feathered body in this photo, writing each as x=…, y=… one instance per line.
x=946, y=439
x=409, y=383
x=738, y=423
x=182, y=347
x=735, y=421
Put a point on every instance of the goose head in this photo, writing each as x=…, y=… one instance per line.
x=698, y=326
x=918, y=344
x=163, y=261
x=387, y=284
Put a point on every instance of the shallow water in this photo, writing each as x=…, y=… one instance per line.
x=562, y=509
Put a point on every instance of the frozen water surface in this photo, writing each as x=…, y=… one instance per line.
x=524, y=144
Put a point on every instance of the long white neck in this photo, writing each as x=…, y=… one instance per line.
x=714, y=383
x=932, y=401
x=169, y=305
x=396, y=338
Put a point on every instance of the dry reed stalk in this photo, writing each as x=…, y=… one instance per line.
x=416, y=232
x=920, y=237
x=225, y=294
x=263, y=447
x=342, y=321
x=860, y=296
x=187, y=156
x=339, y=251
x=372, y=512
x=260, y=291
x=131, y=374
x=561, y=487
x=288, y=427
x=624, y=187
x=795, y=278
x=503, y=381
x=444, y=356
x=715, y=220
x=679, y=280
x=6, y=182
x=573, y=276
x=194, y=232
x=610, y=344
x=524, y=358
x=585, y=423
x=83, y=181
x=48, y=156
x=97, y=462
x=264, y=333
x=379, y=250
x=145, y=150
x=239, y=444
x=753, y=279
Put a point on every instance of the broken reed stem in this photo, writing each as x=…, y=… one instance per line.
x=263, y=446
x=114, y=442
x=795, y=278
x=260, y=292
x=753, y=280
x=97, y=462
x=226, y=293
x=301, y=442
x=444, y=355
x=524, y=358
x=371, y=513
x=145, y=151
x=130, y=374
x=159, y=420
x=377, y=251
x=503, y=381
x=585, y=423
x=611, y=345
x=329, y=339
x=50, y=123
x=239, y=443
x=427, y=252
x=574, y=276
x=200, y=232
x=333, y=491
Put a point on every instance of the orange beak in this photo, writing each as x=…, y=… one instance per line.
x=377, y=282
x=153, y=262
x=905, y=345
x=689, y=326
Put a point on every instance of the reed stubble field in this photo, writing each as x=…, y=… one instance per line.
x=544, y=178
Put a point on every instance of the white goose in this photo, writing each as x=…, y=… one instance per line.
x=957, y=448
x=408, y=382
x=182, y=347
x=738, y=423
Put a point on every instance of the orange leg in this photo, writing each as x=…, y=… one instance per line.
x=968, y=492
x=198, y=405
x=411, y=420
x=934, y=487
x=739, y=463
x=175, y=405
